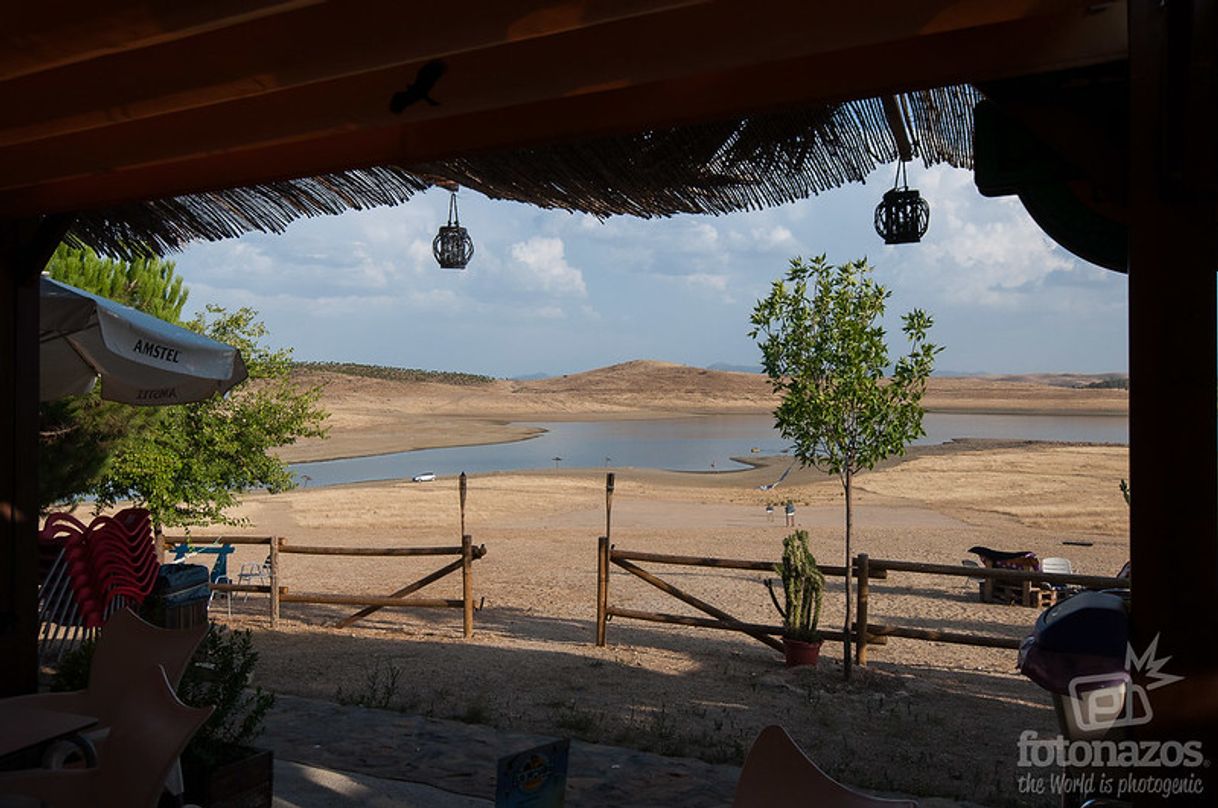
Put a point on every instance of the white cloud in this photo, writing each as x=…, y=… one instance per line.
x=538, y=264
x=773, y=237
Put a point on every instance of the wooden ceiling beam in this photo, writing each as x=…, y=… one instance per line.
x=181, y=159
x=42, y=36
x=316, y=43
x=694, y=83
x=376, y=46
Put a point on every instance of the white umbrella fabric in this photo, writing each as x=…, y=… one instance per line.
x=140, y=359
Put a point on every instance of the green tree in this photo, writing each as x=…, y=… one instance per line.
x=186, y=463
x=79, y=434
x=202, y=456
x=825, y=352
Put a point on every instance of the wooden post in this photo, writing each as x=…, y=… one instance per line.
x=276, y=541
x=461, y=486
x=609, y=480
x=602, y=587
x=25, y=247
x=1173, y=204
x=860, y=628
x=467, y=581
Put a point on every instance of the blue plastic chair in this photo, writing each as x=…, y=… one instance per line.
x=219, y=569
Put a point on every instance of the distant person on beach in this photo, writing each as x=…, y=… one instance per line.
x=790, y=511
x=769, y=511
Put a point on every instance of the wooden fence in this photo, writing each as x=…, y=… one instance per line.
x=876, y=633
x=278, y=546
x=864, y=569
x=608, y=556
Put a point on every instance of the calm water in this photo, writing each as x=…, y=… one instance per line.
x=682, y=444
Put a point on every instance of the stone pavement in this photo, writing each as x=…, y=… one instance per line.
x=330, y=756
x=301, y=786
x=461, y=758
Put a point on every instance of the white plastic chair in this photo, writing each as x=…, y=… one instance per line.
x=254, y=573
x=1058, y=566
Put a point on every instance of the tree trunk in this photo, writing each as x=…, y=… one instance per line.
x=846, y=656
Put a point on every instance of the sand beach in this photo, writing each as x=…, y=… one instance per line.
x=922, y=717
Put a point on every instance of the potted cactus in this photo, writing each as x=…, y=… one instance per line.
x=803, y=587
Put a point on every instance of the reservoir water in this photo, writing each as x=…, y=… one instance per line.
x=704, y=443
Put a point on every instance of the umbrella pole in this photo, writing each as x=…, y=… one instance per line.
x=25, y=248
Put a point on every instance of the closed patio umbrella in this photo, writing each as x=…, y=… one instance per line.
x=139, y=358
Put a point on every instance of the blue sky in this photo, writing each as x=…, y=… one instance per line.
x=554, y=292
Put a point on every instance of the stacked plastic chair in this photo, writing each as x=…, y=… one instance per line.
x=98, y=569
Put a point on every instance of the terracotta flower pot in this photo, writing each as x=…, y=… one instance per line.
x=801, y=653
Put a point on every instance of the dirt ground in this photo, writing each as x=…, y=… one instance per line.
x=922, y=718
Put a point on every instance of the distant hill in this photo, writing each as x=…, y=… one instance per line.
x=1094, y=381
x=532, y=377
x=394, y=374
x=648, y=384
x=730, y=368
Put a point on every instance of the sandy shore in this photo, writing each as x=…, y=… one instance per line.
x=924, y=718
x=378, y=416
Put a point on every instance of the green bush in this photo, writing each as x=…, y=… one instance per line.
x=221, y=675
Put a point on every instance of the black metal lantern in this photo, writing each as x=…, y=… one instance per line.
x=902, y=215
x=452, y=246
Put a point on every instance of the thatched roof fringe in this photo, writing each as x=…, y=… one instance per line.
x=166, y=225
x=715, y=168
x=719, y=167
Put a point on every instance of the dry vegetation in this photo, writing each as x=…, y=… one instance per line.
x=924, y=718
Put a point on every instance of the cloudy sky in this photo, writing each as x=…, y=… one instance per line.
x=553, y=292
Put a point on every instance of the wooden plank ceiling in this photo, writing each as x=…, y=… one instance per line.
x=107, y=103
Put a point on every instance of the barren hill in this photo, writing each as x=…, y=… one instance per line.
x=651, y=385
x=371, y=415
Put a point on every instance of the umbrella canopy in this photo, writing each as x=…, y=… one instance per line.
x=140, y=359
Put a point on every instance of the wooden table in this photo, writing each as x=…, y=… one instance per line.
x=25, y=727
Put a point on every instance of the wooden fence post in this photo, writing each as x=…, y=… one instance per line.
x=462, y=485
x=860, y=629
x=276, y=541
x=602, y=587
x=467, y=583
x=609, y=480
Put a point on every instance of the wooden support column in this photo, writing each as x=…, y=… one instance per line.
x=602, y=587
x=860, y=623
x=25, y=247
x=1173, y=256
x=276, y=545
x=467, y=584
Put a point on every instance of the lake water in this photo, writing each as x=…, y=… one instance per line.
x=682, y=444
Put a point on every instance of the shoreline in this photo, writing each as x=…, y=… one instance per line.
x=512, y=429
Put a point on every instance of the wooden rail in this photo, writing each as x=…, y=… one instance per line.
x=608, y=556
x=864, y=568
x=467, y=553
x=881, y=631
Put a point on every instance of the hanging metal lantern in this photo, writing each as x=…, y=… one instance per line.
x=452, y=246
x=902, y=215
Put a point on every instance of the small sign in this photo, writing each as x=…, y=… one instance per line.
x=536, y=777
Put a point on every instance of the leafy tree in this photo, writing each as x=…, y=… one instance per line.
x=202, y=456
x=149, y=284
x=825, y=353
x=186, y=463
x=79, y=434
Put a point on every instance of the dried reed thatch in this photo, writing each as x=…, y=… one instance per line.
x=743, y=164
